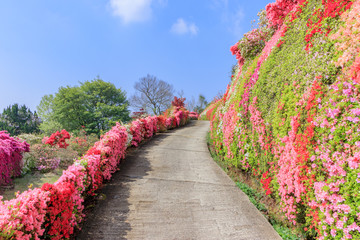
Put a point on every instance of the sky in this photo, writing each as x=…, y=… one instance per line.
x=48, y=44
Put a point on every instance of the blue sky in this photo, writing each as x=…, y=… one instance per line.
x=48, y=44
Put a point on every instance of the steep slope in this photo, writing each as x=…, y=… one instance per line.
x=290, y=116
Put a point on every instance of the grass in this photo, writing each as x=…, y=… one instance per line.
x=257, y=198
x=253, y=196
x=33, y=180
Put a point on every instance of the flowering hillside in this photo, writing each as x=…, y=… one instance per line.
x=290, y=116
x=54, y=211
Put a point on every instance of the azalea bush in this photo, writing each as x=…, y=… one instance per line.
x=140, y=114
x=290, y=117
x=82, y=141
x=23, y=217
x=193, y=115
x=58, y=138
x=31, y=138
x=56, y=151
x=176, y=115
x=161, y=123
x=11, y=150
x=252, y=43
x=178, y=102
x=277, y=11
x=54, y=211
x=45, y=158
x=48, y=164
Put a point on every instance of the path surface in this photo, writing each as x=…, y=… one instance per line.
x=170, y=188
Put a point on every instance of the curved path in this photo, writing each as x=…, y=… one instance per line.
x=170, y=188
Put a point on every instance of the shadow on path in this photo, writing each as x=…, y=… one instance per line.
x=170, y=188
x=108, y=218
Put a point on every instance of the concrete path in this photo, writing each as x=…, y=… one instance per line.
x=170, y=188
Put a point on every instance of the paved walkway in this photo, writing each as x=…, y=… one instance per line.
x=170, y=188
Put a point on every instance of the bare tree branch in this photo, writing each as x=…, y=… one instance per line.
x=152, y=94
x=190, y=104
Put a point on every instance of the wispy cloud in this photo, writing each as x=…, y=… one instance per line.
x=237, y=20
x=134, y=10
x=232, y=17
x=131, y=10
x=182, y=27
x=162, y=3
x=219, y=4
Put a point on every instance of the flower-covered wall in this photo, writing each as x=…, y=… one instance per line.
x=291, y=114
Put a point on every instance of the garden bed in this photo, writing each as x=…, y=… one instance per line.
x=30, y=180
x=56, y=210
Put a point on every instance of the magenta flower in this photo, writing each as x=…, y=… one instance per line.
x=356, y=111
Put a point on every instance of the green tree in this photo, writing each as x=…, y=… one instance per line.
x=19, y=119
x=96, y=105
x=45, y=111
x=105, y=105
x=69, y=108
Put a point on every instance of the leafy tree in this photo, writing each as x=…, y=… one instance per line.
x=44, y=109
x=96, y=105
x=19, y=119
x=105, y=105
x=152, y=94
x=49, y=123
x=69, y=108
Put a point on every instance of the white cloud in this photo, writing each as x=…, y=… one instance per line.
x=231, y=17
x=237, y=20
x=131, y=10
x=182, y=27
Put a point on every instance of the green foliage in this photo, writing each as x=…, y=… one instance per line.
x=66, y=156
x=31, y=138
x=95, y=105
x=19, y=119
x=44, y=109
x=270, y=133
x=29, y=163
x=33, y=180
x=284, y=84
x=106, y=104
x=50, y=126
x=254, y=196
x=285, y=233
x=264, y=25
x=69, y=108
x=252, y=43
x=49, y=123
x=42, y=154
x=32, y=160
